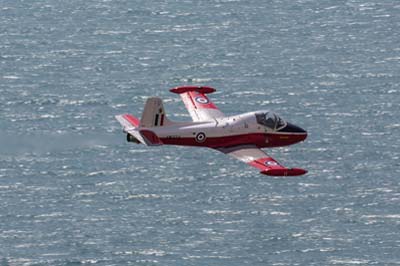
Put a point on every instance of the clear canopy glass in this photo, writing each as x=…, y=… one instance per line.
x=270, y=120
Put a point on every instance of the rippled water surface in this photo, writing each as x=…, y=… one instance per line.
x=72, y=192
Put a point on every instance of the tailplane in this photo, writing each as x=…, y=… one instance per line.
x=135, y=134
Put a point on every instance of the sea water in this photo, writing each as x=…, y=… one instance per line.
x=73, y=192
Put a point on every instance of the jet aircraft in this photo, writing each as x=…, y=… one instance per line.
x=240, y=136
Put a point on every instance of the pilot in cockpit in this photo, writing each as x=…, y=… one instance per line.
x=273, y=122
x=270, y=120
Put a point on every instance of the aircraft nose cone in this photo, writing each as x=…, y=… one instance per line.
x=298, y=135
x=290, y=128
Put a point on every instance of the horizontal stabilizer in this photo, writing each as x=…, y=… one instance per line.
x=127, y=120
x=131, y=127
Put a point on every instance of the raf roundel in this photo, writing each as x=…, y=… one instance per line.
x=270, y=163
x=202, y=100
x=201, y=137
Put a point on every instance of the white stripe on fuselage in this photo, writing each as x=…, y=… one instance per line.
x=227, y=126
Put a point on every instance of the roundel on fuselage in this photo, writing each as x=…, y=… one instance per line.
x=200, y=137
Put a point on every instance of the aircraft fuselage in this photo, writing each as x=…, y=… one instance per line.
x=228, y=131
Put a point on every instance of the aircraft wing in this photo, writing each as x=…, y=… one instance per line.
x=255, y=157
x=197, y=103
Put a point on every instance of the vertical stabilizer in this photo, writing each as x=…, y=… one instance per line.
x=154, y=114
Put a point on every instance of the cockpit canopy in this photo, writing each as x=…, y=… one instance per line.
x=270, y=120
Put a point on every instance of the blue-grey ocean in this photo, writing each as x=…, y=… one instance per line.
x=74, y=192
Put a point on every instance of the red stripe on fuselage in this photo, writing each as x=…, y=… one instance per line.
x=261, y=140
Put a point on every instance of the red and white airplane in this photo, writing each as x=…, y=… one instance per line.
x=240, y=136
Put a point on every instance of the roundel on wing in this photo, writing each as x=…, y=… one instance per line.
x=200, y=137
x=270, y=163
x=201, y=100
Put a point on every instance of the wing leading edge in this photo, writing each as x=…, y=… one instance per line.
x=255, y=157
x=197, y=103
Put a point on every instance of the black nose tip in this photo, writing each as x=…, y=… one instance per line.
x=290, y=128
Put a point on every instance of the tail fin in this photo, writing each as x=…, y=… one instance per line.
x=154, y=114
